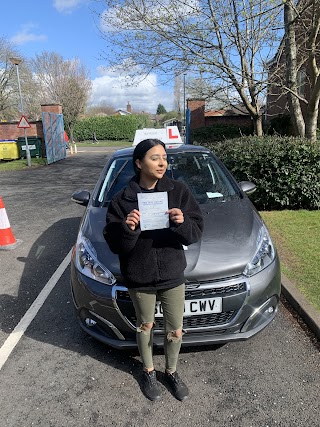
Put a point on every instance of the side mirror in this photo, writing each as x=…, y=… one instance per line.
x=247, y=187
x=82, y=197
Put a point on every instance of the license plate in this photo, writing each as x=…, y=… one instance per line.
x=196, y=306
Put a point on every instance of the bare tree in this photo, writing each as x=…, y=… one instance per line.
x=215, y=97
x=291, y=74
x=9, y=93
x=178, y=95
x=101, y=109
x=296, y=73
x=229, y=41
x=64, y=82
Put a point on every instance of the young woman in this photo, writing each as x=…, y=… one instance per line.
x=152, y=262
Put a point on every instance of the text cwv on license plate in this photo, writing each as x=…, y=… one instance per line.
x=196, y=306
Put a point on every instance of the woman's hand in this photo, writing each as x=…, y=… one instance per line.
x=176, y=215
x=133, y=219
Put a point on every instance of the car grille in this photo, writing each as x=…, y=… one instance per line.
x=202, y=321
x=195, y=291
x=198, y=292
x=221, y=290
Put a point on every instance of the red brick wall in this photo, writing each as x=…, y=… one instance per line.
x=198, y=118
x=51, y=108
x=229, y=120
x=10, y=131
x=196, y=107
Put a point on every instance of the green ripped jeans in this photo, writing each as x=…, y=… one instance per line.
x=172, y=301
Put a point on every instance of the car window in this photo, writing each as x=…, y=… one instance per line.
x=200, y=171
x=118, y=175
x=203, y=175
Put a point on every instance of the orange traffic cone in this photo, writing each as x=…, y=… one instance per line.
x=7, y=239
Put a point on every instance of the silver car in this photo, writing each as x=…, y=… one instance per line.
x=232, y=276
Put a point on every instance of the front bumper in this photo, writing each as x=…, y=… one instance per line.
x=249, y=305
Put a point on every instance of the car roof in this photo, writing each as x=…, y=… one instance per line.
x=183, y=148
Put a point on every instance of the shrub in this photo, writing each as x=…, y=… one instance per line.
x=110, y=127
x=286, y=170
x=281, y=125
x=218, y=132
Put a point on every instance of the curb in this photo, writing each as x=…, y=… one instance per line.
x=306, y=311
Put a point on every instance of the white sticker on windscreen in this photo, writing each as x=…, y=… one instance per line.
x=213, y=195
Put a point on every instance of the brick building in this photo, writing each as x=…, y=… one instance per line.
x=203, y=117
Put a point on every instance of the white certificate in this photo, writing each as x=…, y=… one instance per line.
x=153, y=207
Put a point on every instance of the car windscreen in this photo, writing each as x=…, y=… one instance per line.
x=199, y=171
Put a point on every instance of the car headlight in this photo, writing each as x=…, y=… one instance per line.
x=264, y=255
x=88, y=264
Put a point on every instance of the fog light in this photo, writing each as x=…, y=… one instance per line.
x=90, y=322
x=270, y=310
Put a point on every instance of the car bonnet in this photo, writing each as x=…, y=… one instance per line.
x=228, y=242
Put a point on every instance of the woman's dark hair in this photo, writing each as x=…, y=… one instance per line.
x=141, y=149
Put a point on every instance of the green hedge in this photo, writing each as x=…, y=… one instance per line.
x=218, y=132
x=110, y=127
x=286, y=170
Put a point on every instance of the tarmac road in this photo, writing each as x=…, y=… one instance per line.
x=58, y=376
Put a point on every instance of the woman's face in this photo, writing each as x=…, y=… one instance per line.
x=154, y=164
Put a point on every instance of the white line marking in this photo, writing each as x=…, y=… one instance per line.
x=22, y=326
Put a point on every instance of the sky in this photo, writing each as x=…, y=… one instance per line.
x=71, y=28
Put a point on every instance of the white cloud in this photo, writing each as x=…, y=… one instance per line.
x=113, y=89
x=67, y=5
x=27, y=34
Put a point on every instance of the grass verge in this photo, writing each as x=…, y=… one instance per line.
x=297, y=235
x=21, y=164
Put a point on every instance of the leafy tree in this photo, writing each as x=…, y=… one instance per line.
x=65, y=82
x=169, y=115
x=228, y=41
x=161, y=109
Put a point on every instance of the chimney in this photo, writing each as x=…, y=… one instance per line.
x=129, y=107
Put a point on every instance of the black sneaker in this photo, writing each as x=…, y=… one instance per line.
x=178, y=387
x=150, y=385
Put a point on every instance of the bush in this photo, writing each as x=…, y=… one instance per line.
x=286, y=170
x=281, y=125
x=110, y=127
x=218, y=132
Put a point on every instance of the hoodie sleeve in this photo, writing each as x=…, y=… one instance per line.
x=120, y=238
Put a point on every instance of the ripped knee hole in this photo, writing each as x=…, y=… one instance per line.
x=175, y=336
x=145, y=327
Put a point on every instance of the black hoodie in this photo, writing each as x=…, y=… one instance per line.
x=153, y=259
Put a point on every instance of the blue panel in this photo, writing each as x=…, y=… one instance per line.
x=188, y=118
x=53, y=129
